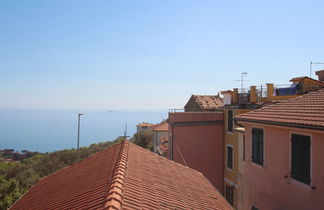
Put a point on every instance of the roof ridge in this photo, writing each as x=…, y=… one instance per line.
x=59, y=171
x=114, y=199
x=280, y=103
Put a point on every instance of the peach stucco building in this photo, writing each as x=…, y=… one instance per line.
x=196, y=139
x=160, y=137
x=283, y=164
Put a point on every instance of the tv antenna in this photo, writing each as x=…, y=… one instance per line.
x=311, y=66
x=242, y=80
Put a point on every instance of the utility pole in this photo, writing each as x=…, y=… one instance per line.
x=79, y=115
x=311, y=66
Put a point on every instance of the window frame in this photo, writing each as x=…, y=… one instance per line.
x=257, y=159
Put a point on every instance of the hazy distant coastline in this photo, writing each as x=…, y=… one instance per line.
x=47, y=130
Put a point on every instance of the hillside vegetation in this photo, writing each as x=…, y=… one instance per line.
x=17, y=177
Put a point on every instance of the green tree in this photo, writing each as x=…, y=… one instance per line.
x=17, y=177
x=9, y=192
x=144, y=139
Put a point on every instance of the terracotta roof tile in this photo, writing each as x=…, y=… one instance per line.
x=209, y=101
x=300, y=79
x=145, y=124
x=124, y=176
x=303, y=111
x=161, y=127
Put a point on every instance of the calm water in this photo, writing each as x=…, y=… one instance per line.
x=50, y=130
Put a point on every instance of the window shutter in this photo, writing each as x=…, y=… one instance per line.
x=230, y=157
x=300, y=158
x=260, y=138
x=254, y=145
x=230, y=120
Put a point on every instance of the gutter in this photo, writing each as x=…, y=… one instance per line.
x=282, y=124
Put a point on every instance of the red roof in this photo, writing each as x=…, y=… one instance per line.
x=299, y=79
x=209, y=102
x=206, y=102
x=303, y=111
x=124, y=176
x=161, y=127
x=144, y=124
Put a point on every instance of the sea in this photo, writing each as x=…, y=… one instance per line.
x=48, y=130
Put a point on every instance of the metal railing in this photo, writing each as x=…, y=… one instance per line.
x=176, y=110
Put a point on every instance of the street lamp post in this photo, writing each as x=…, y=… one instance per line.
x=79, y=115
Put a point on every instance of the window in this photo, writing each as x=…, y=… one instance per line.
x=230, y=157
x=229, y=194
x=300, y=158
x=257, y=145
x=230, y=121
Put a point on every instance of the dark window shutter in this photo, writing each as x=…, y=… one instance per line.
x=257, y=145
x=229, y=194
x=254, y=208
x=230, y=120
x=230, y=157
x=260, y=149
x=254, y=145
x=300, y=158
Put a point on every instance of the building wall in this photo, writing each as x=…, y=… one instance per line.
x=241, y=171
x=231, y=139
x=144, y=128
x=270, y=186
x=197, y=140
x=157, y=138
x=192, y=105
x=309, y=84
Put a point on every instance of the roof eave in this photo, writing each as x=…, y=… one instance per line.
x=280, y=123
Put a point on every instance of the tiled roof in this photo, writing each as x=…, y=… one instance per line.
x=161, y=127
x=299, y=79
x=124, y=176
x=164, y=139
x=226, y=92
x=145, y=124
x=209, y=101
x=303, y=111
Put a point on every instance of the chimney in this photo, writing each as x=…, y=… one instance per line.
x=235, y=96
x=320, y=75
x=270, y=91
x=253, y=95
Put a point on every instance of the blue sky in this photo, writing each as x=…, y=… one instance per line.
x=150, y=54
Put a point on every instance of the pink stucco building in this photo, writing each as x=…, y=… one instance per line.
x=283, y=160
x=196, y=139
